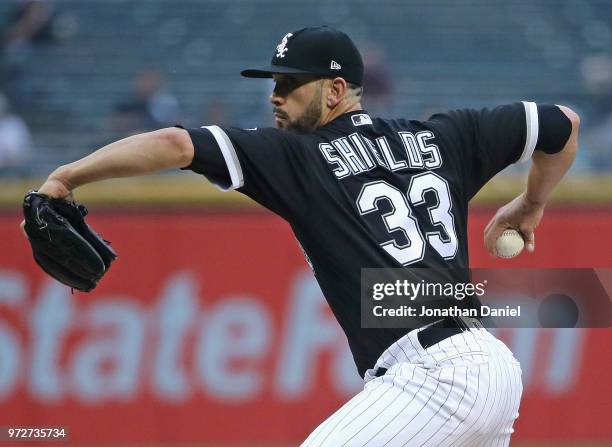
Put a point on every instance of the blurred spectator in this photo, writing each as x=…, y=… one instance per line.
x=30, y=24
x=148, y=107
x=128, y=119
x=377, y=81
x=217, y=113
x=596, y=73
x=598, y=140
x=15, y=138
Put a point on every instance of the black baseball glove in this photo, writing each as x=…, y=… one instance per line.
x=63, y=245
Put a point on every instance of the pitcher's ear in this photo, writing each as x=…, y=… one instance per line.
x=337, y=92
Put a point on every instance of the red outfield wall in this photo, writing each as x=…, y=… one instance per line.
x=211, y=328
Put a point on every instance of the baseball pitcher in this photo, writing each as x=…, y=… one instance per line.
x=358, y=191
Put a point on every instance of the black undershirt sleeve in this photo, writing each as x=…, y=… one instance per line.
x=554, y=129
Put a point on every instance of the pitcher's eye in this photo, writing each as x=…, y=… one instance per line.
x=285, y=85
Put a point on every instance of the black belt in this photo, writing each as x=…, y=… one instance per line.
x=441, y=330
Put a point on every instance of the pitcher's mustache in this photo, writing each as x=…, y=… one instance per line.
x=280, y=113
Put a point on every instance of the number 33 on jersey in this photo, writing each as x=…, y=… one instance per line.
x=357, y=154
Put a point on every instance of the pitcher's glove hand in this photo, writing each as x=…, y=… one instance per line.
x=63, y=245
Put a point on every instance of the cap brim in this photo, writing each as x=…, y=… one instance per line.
x=268, y=71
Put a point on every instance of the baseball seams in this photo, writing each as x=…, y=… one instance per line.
x=509, y=244
x=463, y=391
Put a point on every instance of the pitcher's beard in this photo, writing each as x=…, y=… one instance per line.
x=309, y=120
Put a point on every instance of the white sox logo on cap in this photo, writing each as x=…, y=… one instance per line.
x=319, y=51
x=281, y=48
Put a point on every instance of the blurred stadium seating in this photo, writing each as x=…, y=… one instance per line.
x=440, y=54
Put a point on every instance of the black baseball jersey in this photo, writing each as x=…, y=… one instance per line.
x=370, y=192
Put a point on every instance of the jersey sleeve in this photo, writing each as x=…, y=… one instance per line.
x=486, y=141
x=265, y=164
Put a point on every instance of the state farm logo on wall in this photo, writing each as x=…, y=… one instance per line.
x=176, y=346
x=55, y=345
x=126, y=361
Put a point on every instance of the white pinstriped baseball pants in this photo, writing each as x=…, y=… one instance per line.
x=463, y=391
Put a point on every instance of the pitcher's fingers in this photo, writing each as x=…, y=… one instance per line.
x=490, y=238
x=489, y=224
x=529, y=237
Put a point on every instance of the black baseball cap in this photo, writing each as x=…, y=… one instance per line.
x=322, y=51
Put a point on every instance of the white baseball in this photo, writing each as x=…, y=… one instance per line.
x=509, y=244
